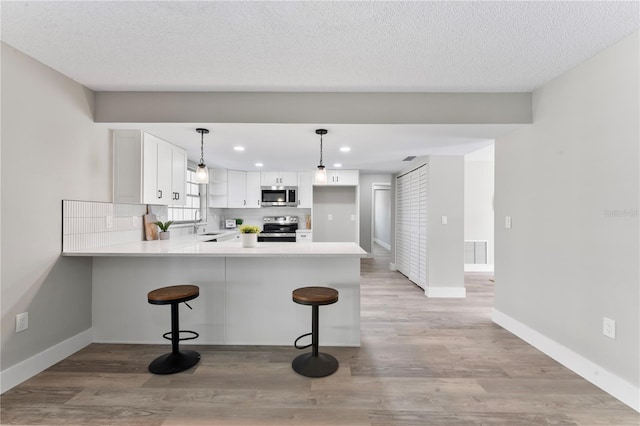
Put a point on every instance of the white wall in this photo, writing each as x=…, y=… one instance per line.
x=570, y=182
x=51, y=150
x=366, y=205
x=382, y=216
x=478, y=199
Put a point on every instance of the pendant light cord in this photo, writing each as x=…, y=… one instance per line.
x=201, y=147
x=321, y=149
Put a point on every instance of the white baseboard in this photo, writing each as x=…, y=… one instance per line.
x=392, y=267
x=475, y=267
x=604, y=379
x=28, y=368
x=458, y=292
x=382, y=243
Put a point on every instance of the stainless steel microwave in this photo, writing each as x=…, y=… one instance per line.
x=279, y=196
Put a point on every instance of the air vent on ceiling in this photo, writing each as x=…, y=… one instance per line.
x=409, y=158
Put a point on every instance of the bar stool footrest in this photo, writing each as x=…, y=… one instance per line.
x=315, y=366
x=174, y=362
x=301, y=337
x=195, y=335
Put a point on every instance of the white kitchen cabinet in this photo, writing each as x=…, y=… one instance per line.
x=243, y=189
x=342, y=177
x=178, y=177
x=305, y=190
x=237, y=188
x=279, y=178
x=254, y=193
x=147, y=169
x=218, y=188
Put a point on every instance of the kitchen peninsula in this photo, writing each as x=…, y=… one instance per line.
x=245, y=293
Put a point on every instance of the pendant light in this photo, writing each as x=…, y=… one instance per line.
x=321, y=172
x=202, y=173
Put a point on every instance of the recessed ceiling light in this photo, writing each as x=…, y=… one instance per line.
x=337, y=165
x=239, y=148
x=345, y=149
x=259, y=164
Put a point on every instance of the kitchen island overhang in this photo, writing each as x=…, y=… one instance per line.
x=245, y=293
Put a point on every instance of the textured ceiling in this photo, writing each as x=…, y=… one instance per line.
x=315, y=46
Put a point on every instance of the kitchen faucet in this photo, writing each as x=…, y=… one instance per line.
x=195, y=222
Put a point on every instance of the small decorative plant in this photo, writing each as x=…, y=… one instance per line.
x=249, y=229
x=164, y=226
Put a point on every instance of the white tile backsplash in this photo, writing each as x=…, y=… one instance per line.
x=84, y=224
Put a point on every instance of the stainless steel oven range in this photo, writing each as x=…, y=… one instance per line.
x=278, y=229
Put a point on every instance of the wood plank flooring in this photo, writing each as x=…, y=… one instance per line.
x=422, y=362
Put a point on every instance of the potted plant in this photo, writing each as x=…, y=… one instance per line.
x=164, y=229
x=249, y=235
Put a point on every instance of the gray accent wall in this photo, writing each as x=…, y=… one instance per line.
x=341, y=203
x=445, y=243
x=570, y=183
x=51, y=150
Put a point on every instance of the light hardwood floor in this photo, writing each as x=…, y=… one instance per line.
x=422, y=362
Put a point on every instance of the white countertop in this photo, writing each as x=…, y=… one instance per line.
x=196, y=246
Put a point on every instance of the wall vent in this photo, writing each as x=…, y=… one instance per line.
x=409, y=158
x=475, y=252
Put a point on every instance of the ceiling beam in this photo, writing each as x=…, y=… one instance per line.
x=314, y=107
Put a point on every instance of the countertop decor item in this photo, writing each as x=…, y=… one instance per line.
x=202, y=173
x=321, y=173
x=249, y=235
x=150, y=228
x=164, y=229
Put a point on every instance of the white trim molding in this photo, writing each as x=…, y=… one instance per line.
x=382, y=243
x=477, y=267
x=457, y=292
x=28, y=368
x=602, y=378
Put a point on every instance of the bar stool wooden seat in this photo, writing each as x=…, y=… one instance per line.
x=175, y=361
x=314, y=364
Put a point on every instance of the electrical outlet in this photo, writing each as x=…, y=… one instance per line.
x=444, y=220
x=507, y=222
x=109, y=222
x=329, y=217
x=22, y=322
x=609, y=327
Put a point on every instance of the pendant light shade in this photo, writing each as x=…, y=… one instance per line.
x=202, y=173
x=321, y=173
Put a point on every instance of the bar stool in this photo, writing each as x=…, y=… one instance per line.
x=175, y=361
x=314, y=364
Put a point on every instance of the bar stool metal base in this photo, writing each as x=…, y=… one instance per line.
x=174, y=362
x=315, y=366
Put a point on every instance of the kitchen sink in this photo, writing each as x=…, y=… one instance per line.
x=213, y=233
x=211, y=241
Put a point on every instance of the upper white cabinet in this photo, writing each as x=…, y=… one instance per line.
x=342, y=177
x=305, y=190
x=147, y=169
x=243, y=189
x=279, y=178
x=254, y=193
